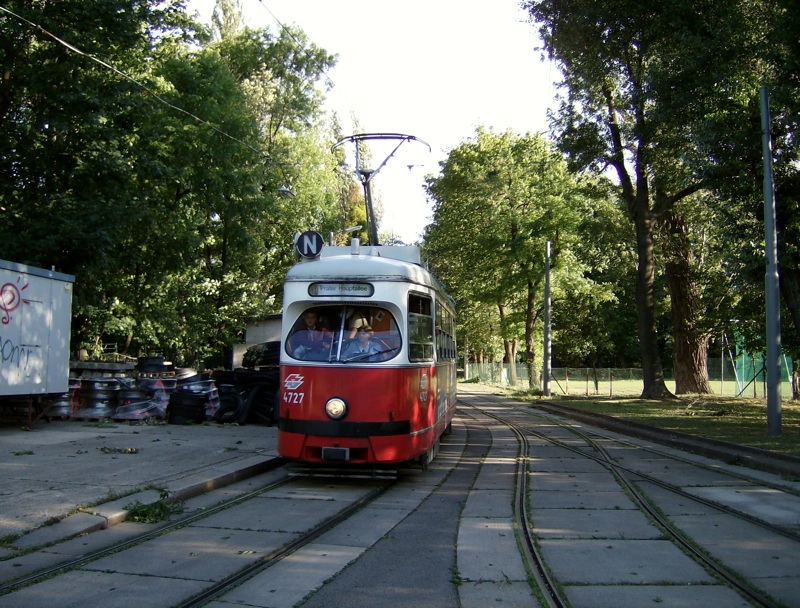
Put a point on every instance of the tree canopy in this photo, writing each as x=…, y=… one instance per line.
x=646, y=86
x=145, y=159
x=144, y=153
x=499, y=199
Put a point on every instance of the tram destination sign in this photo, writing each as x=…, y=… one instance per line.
x=359, y=290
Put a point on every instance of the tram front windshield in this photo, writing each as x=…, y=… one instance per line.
x=344, y=334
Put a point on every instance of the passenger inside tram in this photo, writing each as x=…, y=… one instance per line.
x=311, y=340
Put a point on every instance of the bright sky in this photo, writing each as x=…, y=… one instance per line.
x=434, y=69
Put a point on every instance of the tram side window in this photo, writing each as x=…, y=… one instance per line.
x=445, y=334
x=420, y=328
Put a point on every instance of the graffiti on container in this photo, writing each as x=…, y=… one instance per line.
x=11, y=353
x=19, y=354
x=10, y=299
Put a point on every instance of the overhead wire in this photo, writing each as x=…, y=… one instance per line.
x=143, y=86
x=290, y=33
x=299, y=44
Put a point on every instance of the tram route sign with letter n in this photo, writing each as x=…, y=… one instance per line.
x=308, y=245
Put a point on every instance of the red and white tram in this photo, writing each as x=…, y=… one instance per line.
x=368, y=358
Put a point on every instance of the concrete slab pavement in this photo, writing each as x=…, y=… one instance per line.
x=65, y=478
x=489, y=563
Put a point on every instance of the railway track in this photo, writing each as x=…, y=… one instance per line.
x=262, y=564
x=512, y=485
x=531, y=555
x=238, y=542
x=639, y=484
x=138, y=539
x=354, y=496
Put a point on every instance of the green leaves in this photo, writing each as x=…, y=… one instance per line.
x=499, y=200
x=160, y=197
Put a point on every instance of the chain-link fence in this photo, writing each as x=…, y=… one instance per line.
x=729, y=378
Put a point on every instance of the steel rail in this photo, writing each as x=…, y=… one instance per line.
x=535, y=562
x=269, y=560
x=790, y=534
x=733, y=579
x=77, y=562
x=730, y=577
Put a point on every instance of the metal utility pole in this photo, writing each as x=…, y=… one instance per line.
x=772, y=289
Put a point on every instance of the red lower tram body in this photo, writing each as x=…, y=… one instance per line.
x=392, y=414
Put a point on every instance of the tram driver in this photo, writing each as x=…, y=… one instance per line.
x=363, y=348
x=311, y=340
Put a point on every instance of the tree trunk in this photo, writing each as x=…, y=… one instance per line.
x=789, y=282
x=690, y=346
x=637, y=199
x=510, y=349
x=690, y=359
x=530, y=324
x=652, y=371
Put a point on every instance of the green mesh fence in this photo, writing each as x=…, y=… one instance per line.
x=742, y=376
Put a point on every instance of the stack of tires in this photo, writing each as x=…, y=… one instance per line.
x=186, y=407
x=98, y=398
x=153, y=365
x=63, y=406
x=136, y=404
x=159, y=390
x=251, y=395
x=130, y=394
x=195, y=399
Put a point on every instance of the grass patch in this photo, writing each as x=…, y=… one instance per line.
x=155, y=512
x=737, y=420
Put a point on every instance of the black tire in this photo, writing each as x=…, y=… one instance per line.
x=262, y=404
x=132, y=395
x=231, y=405
x=194, y=400
x=150, y=364
x=186, y=406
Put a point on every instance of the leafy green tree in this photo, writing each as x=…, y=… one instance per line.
x=159, y=195
x=785, y=57
x=593, y=320
x=499, y=199
x=244, y=229
x=629, y=69
x=227, y=19
x=69, y=181
x=731, y=138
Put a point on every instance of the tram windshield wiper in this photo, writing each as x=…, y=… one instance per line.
x=366, y=356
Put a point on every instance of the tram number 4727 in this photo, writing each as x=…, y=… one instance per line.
x=293, y=397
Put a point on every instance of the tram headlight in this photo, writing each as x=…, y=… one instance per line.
x=336, y=408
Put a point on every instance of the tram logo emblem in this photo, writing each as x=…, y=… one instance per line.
x=293, y=381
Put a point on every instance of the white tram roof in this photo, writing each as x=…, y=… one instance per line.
x=390, y=263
